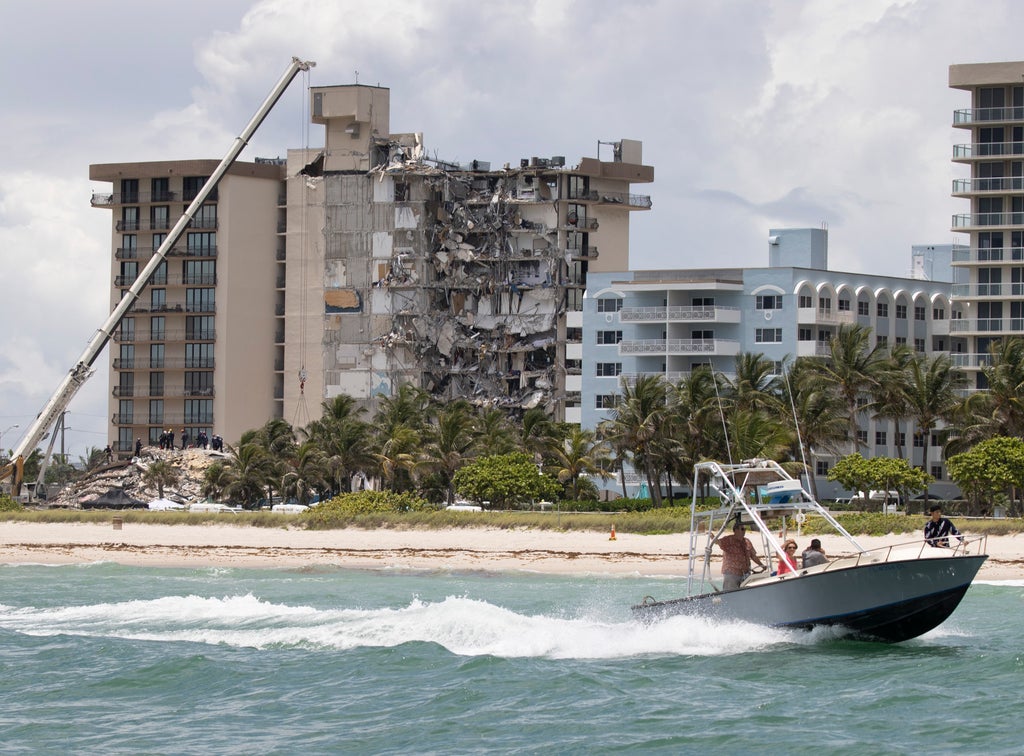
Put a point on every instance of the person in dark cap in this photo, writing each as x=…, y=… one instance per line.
x=938, y=529
x=814, y=554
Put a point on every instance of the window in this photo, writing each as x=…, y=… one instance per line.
x=606, y=401
x=821, y=467
x=199, y=411
x=901, y=312
x=938, y=345
x=205, y=217
x=129, y=272
x=882, y=341
x=608, y=369
x=609, y=337
x=844, y=305
x=918, y=440
x=129, y=190
x=199, y=383
x=161, y=189
x=159, y=217
x=126, y=359
x=901, y=439
x=126, y=411
x=159, y=277
x=401, y=191
x=805, y=334
x=129, y=219
x=129, y=246
x=919, y=312
x=574, y=367
x=881, y=438
x=198, y=355
x=806, y=301
x=768, y=335
x=156, y=411
x=199, y=327
x=157, y=328
x=702, y=301
x=158, y=299
x=938, y=313
x=609, y=304
x=203, y=245
x=882, y=309
x=862, y=437
x=574, y=334
x=918, y=345
x=156, y=384
x=824, y=335
x=935, y=440
x=863, y=308
x=769, y=302
x=937, y=472
x=901, y=340
x=156, y=356
x=192, y=185
x=200, y=300
x=825, y=304
x=158, y=239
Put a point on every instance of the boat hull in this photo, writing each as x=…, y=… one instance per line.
x=890, y=601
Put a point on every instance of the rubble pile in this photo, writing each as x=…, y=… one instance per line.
x=127, y=476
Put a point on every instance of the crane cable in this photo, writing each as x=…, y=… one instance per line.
x=301, y=416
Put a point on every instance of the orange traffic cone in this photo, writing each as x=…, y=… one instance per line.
x=612, y=536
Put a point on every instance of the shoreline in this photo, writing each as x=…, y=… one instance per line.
x=456, y=549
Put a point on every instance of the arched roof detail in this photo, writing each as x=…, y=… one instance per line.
x=771, y=288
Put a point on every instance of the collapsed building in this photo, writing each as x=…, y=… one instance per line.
x=457, y=278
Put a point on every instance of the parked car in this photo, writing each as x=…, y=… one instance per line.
x=289, y=508
x=210, y=506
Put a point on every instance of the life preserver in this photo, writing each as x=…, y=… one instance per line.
x=800, y=518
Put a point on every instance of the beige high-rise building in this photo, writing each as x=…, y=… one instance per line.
x=991, y=305
x=356, y=268
x=196, y=352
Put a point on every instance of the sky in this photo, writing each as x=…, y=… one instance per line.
x=755, y=114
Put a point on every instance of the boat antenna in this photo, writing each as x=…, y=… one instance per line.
x=721, y=414
x=796, y=422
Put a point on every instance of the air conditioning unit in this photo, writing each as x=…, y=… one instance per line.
x=558, y=161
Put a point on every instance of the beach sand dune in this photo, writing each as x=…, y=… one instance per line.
x=490, y=549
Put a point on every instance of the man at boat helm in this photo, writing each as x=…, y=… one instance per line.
x=737, y=551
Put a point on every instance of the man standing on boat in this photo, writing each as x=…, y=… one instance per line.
x=938, y=529
x=737, y=552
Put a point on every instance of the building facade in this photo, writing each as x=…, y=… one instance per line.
x=669, y=322
x=353, y=269
x=196, y=352
x=992, y=298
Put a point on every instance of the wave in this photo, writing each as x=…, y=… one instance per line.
x=463, y=626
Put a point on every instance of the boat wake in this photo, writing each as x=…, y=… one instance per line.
x=463, y=626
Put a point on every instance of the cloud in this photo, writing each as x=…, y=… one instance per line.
x=754, y=115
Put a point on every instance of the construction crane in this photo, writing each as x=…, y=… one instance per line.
x=80, y=373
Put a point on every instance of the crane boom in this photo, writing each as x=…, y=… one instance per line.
x=80, y=373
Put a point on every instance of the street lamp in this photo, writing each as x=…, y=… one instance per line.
x=5, y=431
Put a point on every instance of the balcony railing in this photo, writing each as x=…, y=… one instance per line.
x=582, y=253
x=133, y=198
x=206, y=307
x=1002, y=184
x=971, y=360
x=576, y=222
x=986, y=115
x=679, y=346
x=145, y=392
x=988, y=290
x=625, y=199
x=164, y=420
x=177, y=363
x=966, y=220
x=986, y=149
x=675, y=313
x=988, y=254
x=986, y=325
x=174, y=334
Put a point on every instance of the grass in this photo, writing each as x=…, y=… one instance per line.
x=653, y=522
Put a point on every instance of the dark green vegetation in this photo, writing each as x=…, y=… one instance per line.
x=436, y=451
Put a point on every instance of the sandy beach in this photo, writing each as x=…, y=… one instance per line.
x=489, y=549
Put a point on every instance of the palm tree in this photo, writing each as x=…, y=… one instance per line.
x=639, y=419
x=494, y=434
x=449, y=443
x=890, y=392
x=161, y=473
x=249, y=469
x=694, y=421
x=757, y=385
x=932, y=394
x=579, y=456
x=852, y=368
x=999, y=410
x=344, y=440
x=310, y=474
x=818, y=415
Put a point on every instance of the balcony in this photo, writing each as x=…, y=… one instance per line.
x=988, y=116
x=727, y=347
x=132, y=198
x=143, y=225
x=963, y=153
x=177, y=363
x=165, y=419
x=582, y=253
x=812, y=315
x=576, y=222
x=201, y=307
x=986, y=325
x=1004, y=185
x=981, y=291
x=968, y=221
x=146, y=392
x=812, y=349
x=625, y=200
x=969, y=361
x=966, y=255
x=713, y=314
x=175, y=334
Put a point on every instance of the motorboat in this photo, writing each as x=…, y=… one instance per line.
x=890, y=594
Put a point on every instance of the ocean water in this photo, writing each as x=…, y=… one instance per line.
x=105, y=659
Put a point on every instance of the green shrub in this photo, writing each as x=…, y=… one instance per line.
x=7, y=504
x=361, y=505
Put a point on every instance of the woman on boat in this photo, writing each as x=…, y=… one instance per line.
x=787, y=563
